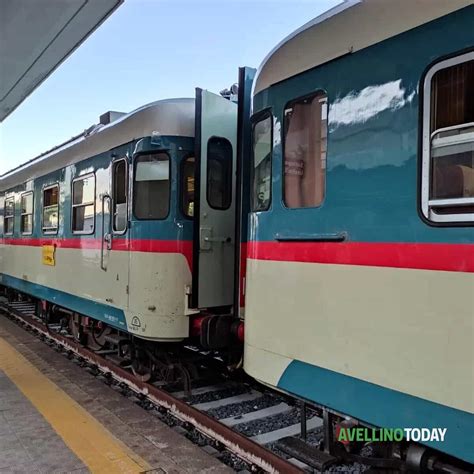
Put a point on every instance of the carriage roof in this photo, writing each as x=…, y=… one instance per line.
x=346, y=28
x=173, y=117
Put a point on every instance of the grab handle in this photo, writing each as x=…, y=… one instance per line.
x=106, y=236
x=330, y=237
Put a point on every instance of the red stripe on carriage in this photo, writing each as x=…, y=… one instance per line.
x=423, y=256
x=184, y=247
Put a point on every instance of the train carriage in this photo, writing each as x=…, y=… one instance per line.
x=360, y=283
x=72, y=206
x=102, y=227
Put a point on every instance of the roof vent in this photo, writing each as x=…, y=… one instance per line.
x=110, y=116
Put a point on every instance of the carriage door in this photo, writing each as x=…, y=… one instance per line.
x=114, y=228
x=214, y=224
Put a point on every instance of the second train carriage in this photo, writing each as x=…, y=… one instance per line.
x=360, y=272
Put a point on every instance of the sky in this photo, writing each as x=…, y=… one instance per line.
x=146, y=51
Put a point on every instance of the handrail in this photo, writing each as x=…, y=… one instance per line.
x=452, y=127
x=330, y=237
x=106, y=236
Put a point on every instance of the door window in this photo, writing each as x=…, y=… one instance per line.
x=187, y=186
x=262, y=164
x=119, y=194
x=219, y=173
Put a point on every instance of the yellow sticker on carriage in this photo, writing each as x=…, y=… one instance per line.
x=49, y=255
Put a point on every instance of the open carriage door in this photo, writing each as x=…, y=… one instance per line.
x=243, y=183
x=214, y=221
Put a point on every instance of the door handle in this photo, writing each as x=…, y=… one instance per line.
x=223, y=240
x=206, y=239
x=108, y=240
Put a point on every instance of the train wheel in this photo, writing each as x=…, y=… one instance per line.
x=142, y=366
x=96, y=337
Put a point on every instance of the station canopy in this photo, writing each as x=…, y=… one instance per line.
x=38, y=35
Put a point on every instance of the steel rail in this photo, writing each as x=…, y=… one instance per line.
x=243, y=447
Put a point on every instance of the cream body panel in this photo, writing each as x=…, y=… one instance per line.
x=77, y=271
x=156, y=279
x=409, y=330
x=264, y=365
x=159, y=280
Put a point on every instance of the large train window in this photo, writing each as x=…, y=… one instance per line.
x=262, y=164
x=26, y=219
x=9, y=216
x=187, y=186
x=151, y=189
x=219, y=173
x=305, y=126
x=119, y=195
x=50, y=209
x=83, y=205
x=448, y=141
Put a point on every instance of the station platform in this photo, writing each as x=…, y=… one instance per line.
x=56, y=417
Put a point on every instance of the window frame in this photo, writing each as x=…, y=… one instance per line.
x=112, y=187
x=255, y=119
x=288, y=104
x=230, y=176
x=182, y=184
x=89, y=203
x=170, y=181
x=10, y=216
x=427, y=204
x=48, y=231
x=32, y=213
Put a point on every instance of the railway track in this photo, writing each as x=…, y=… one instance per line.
x=242, y=423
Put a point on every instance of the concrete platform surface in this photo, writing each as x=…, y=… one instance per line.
x=56, y=417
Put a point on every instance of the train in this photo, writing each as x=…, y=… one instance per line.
x=313, y=225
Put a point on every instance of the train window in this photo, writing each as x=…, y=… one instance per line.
x=305, y=125
x=83, y=205
x=448, y=141
x=151, y=189
x=219, y=173
x=119, y=193
x=9, y=216
x=50, y=209
x=262, y=164
x=187, y=186
x=26, y=222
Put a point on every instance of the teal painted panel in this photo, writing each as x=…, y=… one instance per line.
x=108, y=314
x=381, y=406
x=372, y=156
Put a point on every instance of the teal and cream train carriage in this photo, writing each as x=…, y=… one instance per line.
x=101, y=227
x=360, y=270
x=77, y=236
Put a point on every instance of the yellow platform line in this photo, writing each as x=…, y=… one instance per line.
x=93, y=444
